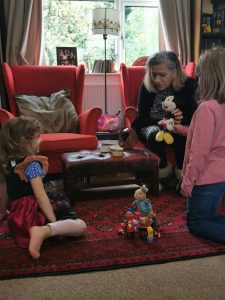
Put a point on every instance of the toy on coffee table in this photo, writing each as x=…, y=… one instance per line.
x=140, y=218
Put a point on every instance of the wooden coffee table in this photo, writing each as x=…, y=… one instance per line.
x=80, y=166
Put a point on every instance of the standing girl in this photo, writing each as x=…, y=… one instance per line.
x=32, y=218
x=204, y=163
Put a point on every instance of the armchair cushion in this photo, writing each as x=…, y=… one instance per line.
x=56, y=112
x=67, y=142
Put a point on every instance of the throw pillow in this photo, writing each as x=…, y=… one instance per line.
x=56, y=113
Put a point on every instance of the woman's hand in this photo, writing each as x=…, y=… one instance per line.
x=178, y=115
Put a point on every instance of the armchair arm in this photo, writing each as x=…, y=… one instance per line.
x=88, y=121
x=5, y=115
x=130, y=114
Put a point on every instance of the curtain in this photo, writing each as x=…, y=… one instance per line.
x=176, y=27
x=3, y=94
x=24, y=31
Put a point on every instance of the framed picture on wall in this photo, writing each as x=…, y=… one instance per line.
x=66, y=56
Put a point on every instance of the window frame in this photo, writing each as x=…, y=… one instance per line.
x=120, y=5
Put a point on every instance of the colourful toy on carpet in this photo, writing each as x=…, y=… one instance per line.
x=140, y=218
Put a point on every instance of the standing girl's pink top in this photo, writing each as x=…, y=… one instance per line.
x=204, y=161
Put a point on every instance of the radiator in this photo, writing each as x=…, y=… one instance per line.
x=94, y=93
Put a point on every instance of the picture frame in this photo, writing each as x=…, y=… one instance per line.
x=66, y=56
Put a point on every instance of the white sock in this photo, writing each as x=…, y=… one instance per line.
x=68, y=228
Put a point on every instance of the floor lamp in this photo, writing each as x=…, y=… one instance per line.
x=106, y=22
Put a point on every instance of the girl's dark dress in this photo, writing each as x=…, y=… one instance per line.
x=24, y=210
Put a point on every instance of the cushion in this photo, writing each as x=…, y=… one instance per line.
x=56, y=112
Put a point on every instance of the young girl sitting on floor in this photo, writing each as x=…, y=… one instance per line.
x=33, y=217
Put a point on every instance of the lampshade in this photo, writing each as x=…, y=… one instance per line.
x=106, y=21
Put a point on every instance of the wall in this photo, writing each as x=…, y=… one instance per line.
x=94, y=92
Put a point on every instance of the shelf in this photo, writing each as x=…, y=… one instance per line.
x=213, y=35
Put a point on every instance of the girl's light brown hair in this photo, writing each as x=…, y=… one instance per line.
x=16, y=137
x=211, y=72
x=173, y=65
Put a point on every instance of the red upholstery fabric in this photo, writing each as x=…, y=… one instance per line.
x=190, y=69
x=65, y=142
x=45, y=80
x=42, y=81
x=131, y=79
x=141, y=61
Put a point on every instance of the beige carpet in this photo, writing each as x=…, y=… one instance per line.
x=199, y=279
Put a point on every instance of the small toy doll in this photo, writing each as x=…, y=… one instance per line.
x=141, y=203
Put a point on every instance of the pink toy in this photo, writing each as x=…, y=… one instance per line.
x=109, y=122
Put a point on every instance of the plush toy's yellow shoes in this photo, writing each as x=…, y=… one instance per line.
x=168, y=138
x=159, y=136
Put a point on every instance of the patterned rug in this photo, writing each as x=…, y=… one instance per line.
x=102, y=248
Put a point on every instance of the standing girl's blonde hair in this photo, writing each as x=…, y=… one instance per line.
x=211, y=70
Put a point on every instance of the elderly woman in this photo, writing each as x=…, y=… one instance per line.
x=164, y=77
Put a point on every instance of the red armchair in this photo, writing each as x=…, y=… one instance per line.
x=141, y=61
x=131, y=79
x=190, y=69
x=43, y=81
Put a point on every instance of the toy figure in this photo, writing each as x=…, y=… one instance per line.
x=167, y=123
x=143, y=225
x=129, y=226
x=157, y=230
x=130, y=230
x=141, y=203
x=140, y=218
x=150, y=234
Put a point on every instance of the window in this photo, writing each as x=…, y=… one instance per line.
x=140, y=29
x=67, y=23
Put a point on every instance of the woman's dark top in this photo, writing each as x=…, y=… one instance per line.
x=17, y=188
